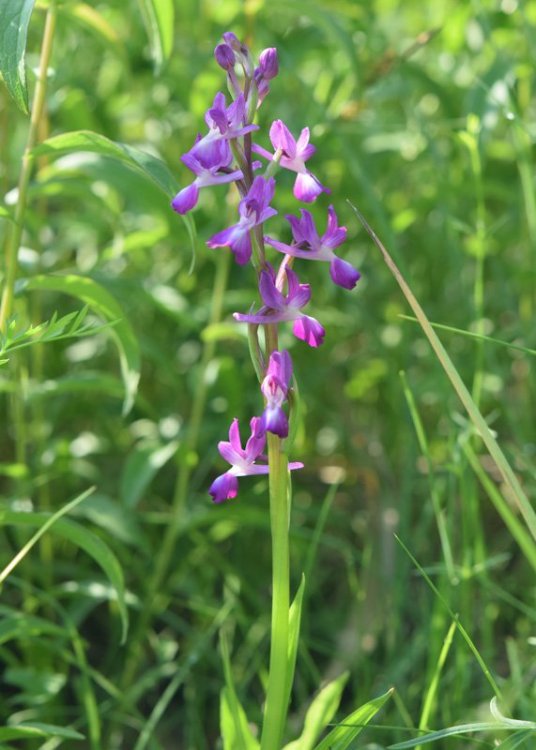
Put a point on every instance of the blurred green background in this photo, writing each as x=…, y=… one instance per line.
x=423, y=116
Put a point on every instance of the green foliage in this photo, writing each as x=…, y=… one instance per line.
x=14, y=20
x=422, y=115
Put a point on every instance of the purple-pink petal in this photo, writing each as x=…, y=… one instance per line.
x=282, y=138
x=271, y=296
x=224, y=487
x=234, y=436
x=343, y=273
x=309, y=330
x=275, y=420
x=241, y=246
x=186, y=199
x=307, y=188
x=265, y=316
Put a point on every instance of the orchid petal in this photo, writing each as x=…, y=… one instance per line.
x=224, y=487
x=307, y=188
x=343, y=273
x=309, y=330
x=186, y=199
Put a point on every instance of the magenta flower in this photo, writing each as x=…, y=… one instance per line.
x=224, y=123
x=279, y=307
x=210, y=169
x=253, y=210
x=295, y=153
x=242, y=460
x=308, y=244
x=275, y=390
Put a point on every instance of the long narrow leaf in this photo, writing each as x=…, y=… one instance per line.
x=349, y=728
x=320, y=713
x=294, y=621
x=14, y=20
x=158, y=17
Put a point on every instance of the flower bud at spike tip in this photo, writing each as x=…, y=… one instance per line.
x=224, y=56
x=268, y=63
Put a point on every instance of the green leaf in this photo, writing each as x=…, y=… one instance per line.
x=78, y=535
x=14, y=20
x=511, y=480
x=320, y=713
x=234, y=726
x=294, y=620
x=159, y=20
x=85, y=140
x=141, y=466
x=36, y=729
x=343, y=735
x=453, y=732
x=102, y=302
x=147, y=165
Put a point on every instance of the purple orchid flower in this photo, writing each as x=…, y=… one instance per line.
x=268, y=68
x=295, y=153
x=275, y=390
x=210, y=169
x=242, y=460
x=309, y=245
x=223, y=123
x=278, y=307
x=253, y=210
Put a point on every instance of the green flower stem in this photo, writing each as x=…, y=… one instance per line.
x=186, y=464
x=15, y=229
x=277, y=696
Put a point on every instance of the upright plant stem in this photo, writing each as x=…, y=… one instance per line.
x=276, y=696
x=15, y=230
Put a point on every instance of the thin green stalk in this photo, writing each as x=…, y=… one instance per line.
x=431, y=693
x=436, y=502
x=277, y=693
x=185, y=466
x=15, y=229
x=276, y=696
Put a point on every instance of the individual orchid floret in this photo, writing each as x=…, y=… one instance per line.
x=294, y=155
x=267, y=69
x=242, y=460
x=279, y=307
x=212, y=168
x=224, y=123
x=275, y=390
x=225, y=57
x=241, y=51
x=268, y=63
x=253, y=210
x=308, y=244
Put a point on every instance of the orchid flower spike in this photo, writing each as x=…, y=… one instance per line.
x=211, y=168
x=279, y=307
x=242, y=460
x=309, y=245
x=294, y=155
x=253, y=210
x=275, y=390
